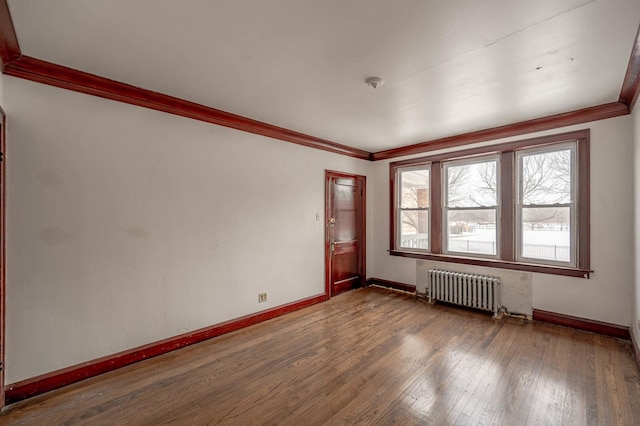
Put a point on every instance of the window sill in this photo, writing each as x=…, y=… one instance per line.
x=493, y=263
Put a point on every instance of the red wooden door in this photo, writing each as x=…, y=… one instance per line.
x=345, y=232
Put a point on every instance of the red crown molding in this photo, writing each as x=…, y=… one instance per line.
x=67, y=78
x=9, y=48
x=57, y=379
x=14, y=64
x=600, y=112
x=584, y=324
x=60, y=76
x=631, y=83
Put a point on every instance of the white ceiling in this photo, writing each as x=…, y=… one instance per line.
x=449, y=67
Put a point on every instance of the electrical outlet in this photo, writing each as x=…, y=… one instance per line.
x=262, y=297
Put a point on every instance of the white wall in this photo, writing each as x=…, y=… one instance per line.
x=636, y=299
x=605, y=296
x=127, y=226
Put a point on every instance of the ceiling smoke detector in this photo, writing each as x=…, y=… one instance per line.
x=375, y=82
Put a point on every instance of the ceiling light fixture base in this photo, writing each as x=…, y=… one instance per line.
x=375, y=82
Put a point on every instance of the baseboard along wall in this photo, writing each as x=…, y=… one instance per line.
x=392, y=284
x=47, y=382
x=584, y=324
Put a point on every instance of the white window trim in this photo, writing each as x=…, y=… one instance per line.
x=573, y=240
x=399, y=209
x=446, y=208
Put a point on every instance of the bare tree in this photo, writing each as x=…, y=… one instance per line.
x=546, y=178
x=456, y=180
x=538, y=217
x=488, y=188
x=410, y=199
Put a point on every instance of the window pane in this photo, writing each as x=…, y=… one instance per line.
x=472, y=185
x=415, y=188
x=546, y=178
x=472, y=231
x=414, y=229
x=546, y=233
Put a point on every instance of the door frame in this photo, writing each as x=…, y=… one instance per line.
x=3, y=268
x=362, y=248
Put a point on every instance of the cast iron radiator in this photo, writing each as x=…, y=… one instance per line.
x=474, y=291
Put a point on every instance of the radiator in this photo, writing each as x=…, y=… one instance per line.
x=475, y=291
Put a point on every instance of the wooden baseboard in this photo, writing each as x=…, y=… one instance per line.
x=57, y=379
x=392, y=284
x=607, y=329
x=636, y=347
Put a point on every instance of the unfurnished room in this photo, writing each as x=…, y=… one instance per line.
x=327, y=212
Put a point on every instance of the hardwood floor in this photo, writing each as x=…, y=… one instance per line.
x=369, y=356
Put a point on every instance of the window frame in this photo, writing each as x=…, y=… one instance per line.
x=507, y=238
x=400, y=209
x=572, y=204
x=446, y=208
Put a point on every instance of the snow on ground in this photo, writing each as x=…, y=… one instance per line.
x=560, y=238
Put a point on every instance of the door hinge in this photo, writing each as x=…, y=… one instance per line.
x=1, y=156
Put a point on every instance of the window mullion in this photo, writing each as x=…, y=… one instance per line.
x=583, y=201
x=507, y=206
x=436, y=207
x=394, y=203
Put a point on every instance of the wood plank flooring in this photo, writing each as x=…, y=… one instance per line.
x=369, y=356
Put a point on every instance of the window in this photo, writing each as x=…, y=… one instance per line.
x=413, y=205
x=471, y=206
x=521, y=205
x=546, y=205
